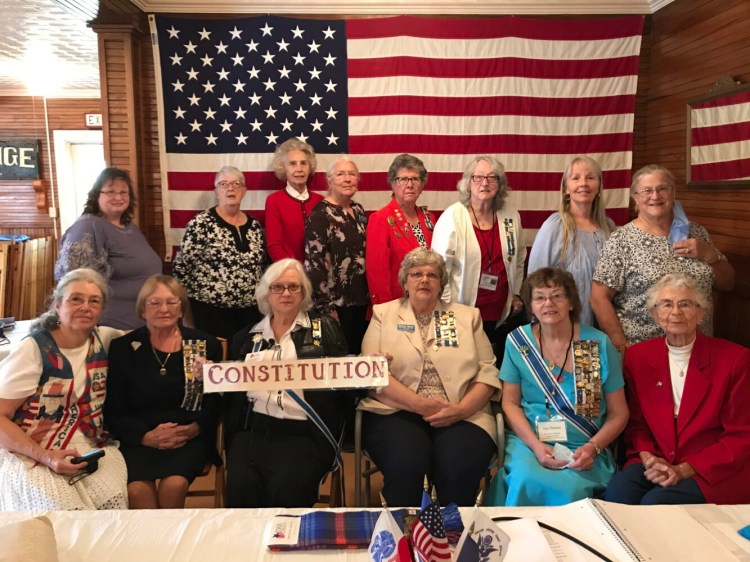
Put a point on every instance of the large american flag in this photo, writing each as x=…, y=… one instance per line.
x=532, y=92
x=720, y=135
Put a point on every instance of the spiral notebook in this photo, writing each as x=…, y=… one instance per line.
x=628, y=533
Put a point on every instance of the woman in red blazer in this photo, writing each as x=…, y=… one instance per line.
x=688, y=438
x=397, y=228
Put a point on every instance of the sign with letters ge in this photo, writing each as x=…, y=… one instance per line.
x=19, y=159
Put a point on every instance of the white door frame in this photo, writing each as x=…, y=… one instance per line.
x=63, y=139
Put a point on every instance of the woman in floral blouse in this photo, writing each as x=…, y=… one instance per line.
x=335, y=252
x=222, y=257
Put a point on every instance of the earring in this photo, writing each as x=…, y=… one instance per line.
x=566, y=196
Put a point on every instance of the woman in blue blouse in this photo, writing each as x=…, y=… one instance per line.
x=573, y=238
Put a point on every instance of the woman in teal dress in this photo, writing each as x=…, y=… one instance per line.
x=562, y=386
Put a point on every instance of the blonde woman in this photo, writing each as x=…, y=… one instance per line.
x=573, y=238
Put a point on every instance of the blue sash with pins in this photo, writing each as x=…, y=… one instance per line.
x=546, y=381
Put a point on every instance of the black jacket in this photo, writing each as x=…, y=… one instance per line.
x=333, y=406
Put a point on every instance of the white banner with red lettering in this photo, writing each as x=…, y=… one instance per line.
x=297, y=374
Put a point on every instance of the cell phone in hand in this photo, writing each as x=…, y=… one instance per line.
x=92, y=455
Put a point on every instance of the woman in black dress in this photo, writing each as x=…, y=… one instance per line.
x=156, y=409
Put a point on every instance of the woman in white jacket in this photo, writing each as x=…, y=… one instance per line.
x=481, y=241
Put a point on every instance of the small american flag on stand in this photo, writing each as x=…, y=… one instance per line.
x=428, y=535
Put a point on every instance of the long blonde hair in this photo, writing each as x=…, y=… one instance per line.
x=598, y=214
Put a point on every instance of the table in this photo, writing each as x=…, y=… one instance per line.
x=14, y=336
x=237, y=534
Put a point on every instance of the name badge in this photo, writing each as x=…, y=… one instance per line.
x=406, y=327
x=488, y=281
x=552, y=431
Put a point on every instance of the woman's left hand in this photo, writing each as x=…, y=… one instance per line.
x=198, y=363
x=583, y=457
x=695, y=248
x=449, y=414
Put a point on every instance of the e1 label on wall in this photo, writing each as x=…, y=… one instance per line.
x=19, y=159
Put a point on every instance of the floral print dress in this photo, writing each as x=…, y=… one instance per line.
x=335, y=256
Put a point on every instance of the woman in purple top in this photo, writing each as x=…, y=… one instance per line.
x=105, y=239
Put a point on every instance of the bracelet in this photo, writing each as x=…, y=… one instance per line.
x=597, y=448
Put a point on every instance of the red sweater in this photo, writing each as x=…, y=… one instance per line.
x=285, y=224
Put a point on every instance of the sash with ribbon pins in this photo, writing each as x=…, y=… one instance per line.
x=193, y=385
x=587, y=380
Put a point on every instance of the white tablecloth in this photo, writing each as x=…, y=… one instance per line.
x=238, y=534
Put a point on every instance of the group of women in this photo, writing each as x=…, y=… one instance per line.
x=439, y=292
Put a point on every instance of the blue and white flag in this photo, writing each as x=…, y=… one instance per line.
x=388, y=542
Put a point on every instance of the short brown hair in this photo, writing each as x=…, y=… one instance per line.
x=552, y=277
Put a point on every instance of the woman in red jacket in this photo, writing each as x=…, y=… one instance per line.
x=286, y=210
x=397, y=228
x=689, y=398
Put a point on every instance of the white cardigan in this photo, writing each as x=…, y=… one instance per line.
x=454, y=239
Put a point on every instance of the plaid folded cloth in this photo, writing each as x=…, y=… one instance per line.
x=353, y=529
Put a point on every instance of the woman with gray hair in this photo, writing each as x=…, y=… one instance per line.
x=52, y=388
x=335, y=252
x=689, y=398
x=278, y=454
x=221, y=259
x=658, y=241
x=286, y=210
x=481, y=240
x=397, y=228
x=434, y=416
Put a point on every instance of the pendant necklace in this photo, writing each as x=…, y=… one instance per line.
x=549, y=362
x=163, y=365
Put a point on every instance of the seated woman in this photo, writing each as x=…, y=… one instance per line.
x=562, y=385
x=165, y=425
x=52, y=387
x=434, y=416
x=689, y=395
x=279, y=454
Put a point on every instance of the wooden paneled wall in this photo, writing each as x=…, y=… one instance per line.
x=692, y=43
x=23, y=118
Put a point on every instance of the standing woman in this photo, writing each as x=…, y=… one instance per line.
x=335, y=253
x=640, y=253
x=286, y=210
x=221, y=259
x=573, y=238
x=397, y=228
x=166, y=427
x=105, y=239
x=481, y=241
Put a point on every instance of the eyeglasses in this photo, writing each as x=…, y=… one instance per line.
x=158, y=303
x=541, y=299
x=491, y=179
x=648, y=192
x=112, y=193
x=683, y=305
x=227, y=184
x=404, y=181
x=78, y=301
x=419, y=275
x=278, y=288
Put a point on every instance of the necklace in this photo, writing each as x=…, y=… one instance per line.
x=163, y=365
x=550, y=363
